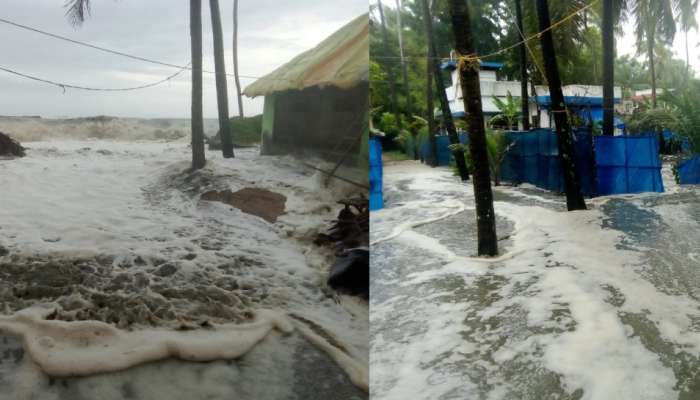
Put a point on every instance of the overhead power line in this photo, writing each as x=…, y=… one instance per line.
x=107, y=50
x=65, y=86
x=525, y=40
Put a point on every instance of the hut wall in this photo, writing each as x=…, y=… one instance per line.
x=326, y=121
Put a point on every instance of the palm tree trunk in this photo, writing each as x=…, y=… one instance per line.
x=652, y=68
x=404, y=74
x=471, y=92
x=687, y=58
x=608, y=68
x=235, y=58
x=430, y=116
x=221, y=85
x=197, y=118
x=524, y=100
x=387, y=65
x=574, y=198
x=537, y=105
x=447, y=120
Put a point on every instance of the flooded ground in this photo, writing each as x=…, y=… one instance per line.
x=115, y=231
x=596, y=304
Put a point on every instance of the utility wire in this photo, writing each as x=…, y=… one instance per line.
x=65, y=86
x=106, y=50
x=525, y=40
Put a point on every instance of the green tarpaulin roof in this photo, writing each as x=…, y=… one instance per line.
x=341, y=60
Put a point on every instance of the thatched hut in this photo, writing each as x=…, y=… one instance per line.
x=318, y=101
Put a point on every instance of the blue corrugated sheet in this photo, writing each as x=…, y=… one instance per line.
x=534, y=159
x=669, y=135
x=444, y=152
x=619, y=164
x=445, y=155
x=627, y=164
x=689, y=171
x=376, y=199
x=575, y=101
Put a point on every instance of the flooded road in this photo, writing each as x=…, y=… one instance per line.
x=595, y=304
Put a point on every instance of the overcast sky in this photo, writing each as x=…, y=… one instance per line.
x=626, y=42
x=271, y=32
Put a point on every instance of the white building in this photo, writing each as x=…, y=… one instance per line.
x=584, y=100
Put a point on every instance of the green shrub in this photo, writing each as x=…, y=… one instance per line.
x=497, y=145
x=245, y=131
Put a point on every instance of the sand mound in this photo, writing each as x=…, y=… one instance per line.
x=259, y=202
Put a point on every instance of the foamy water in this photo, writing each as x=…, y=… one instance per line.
x=595, y=304
x=114, y=231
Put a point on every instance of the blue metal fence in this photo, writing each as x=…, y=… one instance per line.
x=627, y=164
x=376, y=199
x=605, y=164
x=689, y=171
x=534, y=158
x=445, y=156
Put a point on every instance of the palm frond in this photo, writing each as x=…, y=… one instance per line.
x=77, y=11
x=685, y=14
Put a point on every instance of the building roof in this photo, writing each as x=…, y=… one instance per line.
x=484, y=65
x=341, y=60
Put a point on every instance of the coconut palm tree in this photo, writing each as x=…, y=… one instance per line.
x=430, y=111
x=522, y=55
x=487, y=242
x=654, y=21
x=685, y=10
x=197, y=116
x=235, y=58
x=390, y=74
x=221, y=84
x=77, y=12
x=447, y=120
x=574, y=197
x=608, y=59
x=404, y=74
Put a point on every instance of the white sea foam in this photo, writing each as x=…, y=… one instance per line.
x=565, y=278
x=134, y=205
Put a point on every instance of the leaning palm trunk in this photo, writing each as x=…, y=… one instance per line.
x=197, y=118
x=235, y=59
x=608, y=68
x=221, y=85
x=574, y=198
x=522, y=55
x=471, y=92
x=447, y=120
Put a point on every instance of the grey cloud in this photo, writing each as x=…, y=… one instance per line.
x=270, y=33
